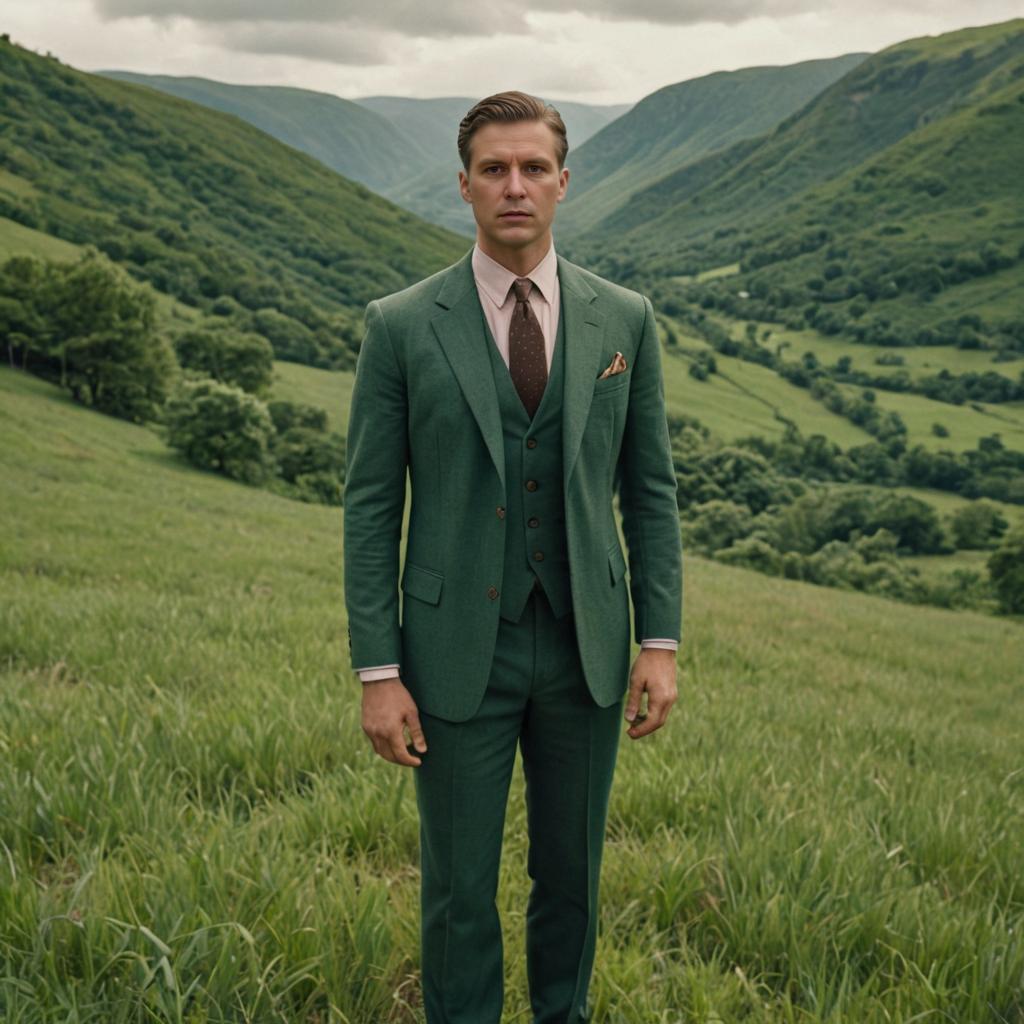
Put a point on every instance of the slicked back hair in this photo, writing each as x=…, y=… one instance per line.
x=508, y=108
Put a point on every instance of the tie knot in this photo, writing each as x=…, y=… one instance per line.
x=522, y=287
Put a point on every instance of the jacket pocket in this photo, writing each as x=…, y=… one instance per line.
x=424, y=584
x=616, y=563
x=611, y=385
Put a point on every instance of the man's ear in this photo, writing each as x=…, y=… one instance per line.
x=563, y=183
x=464, y=187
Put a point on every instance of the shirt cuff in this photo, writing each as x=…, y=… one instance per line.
x=368, y=675
x=663, y=644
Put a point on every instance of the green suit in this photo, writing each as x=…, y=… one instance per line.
x=429, y=399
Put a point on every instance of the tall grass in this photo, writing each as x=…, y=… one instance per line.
x=194, y=829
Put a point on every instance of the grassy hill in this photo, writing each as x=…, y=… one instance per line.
x=207, y=208
x=908, y=163
x=348, y=137
x=827, y=828
x=682, y=122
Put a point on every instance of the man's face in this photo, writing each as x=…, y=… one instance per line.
x=514, y=185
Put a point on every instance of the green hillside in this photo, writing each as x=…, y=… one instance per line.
x=194, y=827
x=207, y=208
x=346, y=136
x=682, y=122
x=919, y=144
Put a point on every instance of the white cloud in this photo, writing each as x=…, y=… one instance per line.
x=411, y=48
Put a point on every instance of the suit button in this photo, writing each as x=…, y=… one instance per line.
x=532, y=485
x=501, y=512
x=533, y=521
x=531, y=442
x=492, y=592
x=538, y=556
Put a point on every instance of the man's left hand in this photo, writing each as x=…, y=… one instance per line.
x=654, y=671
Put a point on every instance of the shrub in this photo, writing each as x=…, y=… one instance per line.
x=221, y=427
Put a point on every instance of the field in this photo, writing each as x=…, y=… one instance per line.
x=193, y=827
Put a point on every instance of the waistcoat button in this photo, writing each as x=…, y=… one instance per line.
x=533, y=521
x=538, y=556
x=532, y=485
x=492, y=592
x=531, y=442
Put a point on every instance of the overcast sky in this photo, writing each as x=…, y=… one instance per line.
x=616, y=52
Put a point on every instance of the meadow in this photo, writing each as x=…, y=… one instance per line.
x=193, y=827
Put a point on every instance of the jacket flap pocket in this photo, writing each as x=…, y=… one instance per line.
x=616, y=563
x=422, y=583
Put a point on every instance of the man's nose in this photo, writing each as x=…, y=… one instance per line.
x=514, y=186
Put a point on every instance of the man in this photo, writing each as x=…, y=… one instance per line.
x=520, y=392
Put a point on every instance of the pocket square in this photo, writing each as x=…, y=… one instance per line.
x=617, y=365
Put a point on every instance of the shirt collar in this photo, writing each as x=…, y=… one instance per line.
x=496, y=280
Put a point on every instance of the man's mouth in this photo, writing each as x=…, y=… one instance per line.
x=515, y=215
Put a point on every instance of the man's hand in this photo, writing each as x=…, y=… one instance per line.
x=654, y=671
x=388, y=708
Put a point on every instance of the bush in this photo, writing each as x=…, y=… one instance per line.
x=1006, y=571
x=221, y=427
x=244, y=360
x=978, y=525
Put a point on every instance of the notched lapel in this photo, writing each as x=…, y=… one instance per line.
x=457, y=326
x=584, y=335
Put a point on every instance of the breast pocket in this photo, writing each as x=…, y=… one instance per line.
x=612, y=385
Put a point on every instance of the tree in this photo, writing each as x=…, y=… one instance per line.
x=221, y=427
x=102, y=332
x=978, y=525
x=1006, y=570
x=245, y=360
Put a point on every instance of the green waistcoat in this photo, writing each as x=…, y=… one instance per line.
x=535, y=542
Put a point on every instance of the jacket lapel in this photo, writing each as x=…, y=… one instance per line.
x=584, y=331
x=458, y=328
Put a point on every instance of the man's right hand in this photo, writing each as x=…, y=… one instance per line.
x=388, y=708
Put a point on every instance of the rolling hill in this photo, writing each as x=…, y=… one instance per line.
x=682, y=122
x=945, y=100
x=348, y=137
x=888, y=210
x=210, y=210
x=401, y=147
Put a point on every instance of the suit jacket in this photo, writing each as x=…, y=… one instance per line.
x=425, y=401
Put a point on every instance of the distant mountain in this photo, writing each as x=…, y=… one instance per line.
x=432, y=190
x=433, y=123
x=348, y=137
x=204, y=206
x=402, y=148
x=894, y=196
x=680, y=123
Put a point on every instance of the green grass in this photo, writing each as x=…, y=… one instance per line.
x=966, y=425
x=743, y=398
x=918, y=361
x=18, y=240
x=330, y=390
x=194, y=828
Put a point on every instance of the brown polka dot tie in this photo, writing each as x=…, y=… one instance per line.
x=527, y=362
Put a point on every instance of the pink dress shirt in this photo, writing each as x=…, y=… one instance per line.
x=494, y=286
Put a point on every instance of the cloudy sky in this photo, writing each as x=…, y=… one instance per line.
x=613, y=52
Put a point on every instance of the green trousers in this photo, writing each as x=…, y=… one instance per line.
x=537, y=697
